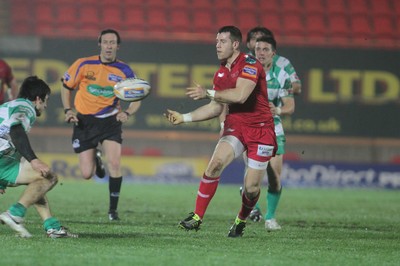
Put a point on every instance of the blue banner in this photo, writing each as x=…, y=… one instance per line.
x=314, y=174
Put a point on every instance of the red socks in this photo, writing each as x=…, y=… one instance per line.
x=207, y=188
x=247, y=206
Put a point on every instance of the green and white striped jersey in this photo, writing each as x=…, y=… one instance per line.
x=285, y=64
x=18, y=111
x=279, y=86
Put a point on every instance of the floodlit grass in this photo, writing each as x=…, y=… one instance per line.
x=320, y=227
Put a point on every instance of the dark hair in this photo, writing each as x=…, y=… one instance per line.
x=110, y=31
x=263, y=30
x=236, y=35
x=267, y=39
x=33, y=87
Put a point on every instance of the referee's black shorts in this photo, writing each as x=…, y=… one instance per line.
x=91, y=131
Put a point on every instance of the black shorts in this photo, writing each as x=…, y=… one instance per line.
x=91, y=131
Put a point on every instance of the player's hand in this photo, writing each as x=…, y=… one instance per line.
x=40, y=167
x=197, y=92
x=122, y=117
x=174, y=117
x=274, y=109
x=70, y=117
x=2, y=191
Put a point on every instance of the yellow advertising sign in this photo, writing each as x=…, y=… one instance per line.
x=135, y=167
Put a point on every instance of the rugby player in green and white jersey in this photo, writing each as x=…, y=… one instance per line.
x=281, y=102
x=19, y=164
x=278, y=60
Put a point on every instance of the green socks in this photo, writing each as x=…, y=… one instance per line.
x=272, y=203
x=17, y=210
x=51, y=223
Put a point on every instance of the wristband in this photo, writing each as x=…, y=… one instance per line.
x=278, y=110
x=66, y=110
x=222, y=124
x=128, y=114
x=187, y=117
x=210, y=94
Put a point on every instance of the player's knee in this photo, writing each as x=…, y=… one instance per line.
x=252, y=192
x=52, y=178
x=215, y=167
x=87, y=174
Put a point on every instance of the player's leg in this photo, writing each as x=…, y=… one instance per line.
x=255, y=214
x=223, y=155
x=84, y=143
x=261, y=146
x=250, y=195
x=21, y=173
x=87, y=163
x=112, y=151
x=274, y=192
x=51, y=225
x=274, y=171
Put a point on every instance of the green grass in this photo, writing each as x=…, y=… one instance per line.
x=320, y=227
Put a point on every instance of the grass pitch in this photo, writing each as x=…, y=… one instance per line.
x=319, y=227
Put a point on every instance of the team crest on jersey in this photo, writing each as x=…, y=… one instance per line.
x=250, y=59
x=90, y=75
x=249, y=71
x=115, y=78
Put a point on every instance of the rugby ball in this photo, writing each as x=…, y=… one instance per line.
x=132, y=89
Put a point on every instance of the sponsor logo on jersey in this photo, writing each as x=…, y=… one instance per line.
x=249, y=71
x=67, y=77
x=115, y=78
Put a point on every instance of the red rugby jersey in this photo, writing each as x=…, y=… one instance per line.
x=256, y=109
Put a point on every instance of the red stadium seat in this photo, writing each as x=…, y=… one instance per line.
x=338, y=26
x=202, y=5
x=383, y=27
x=382, y=8
x=396, y=7
x=294, y=27
x=338, y=30
x=203, y=22
x=179, y=21
x=156, y=20
x=225, y=18
x=313, y=7
x=111, y=17
x=224, y=5
x=134, y=19
x=246, y=21
x=249, y=5
x=336, y=7
x=315, y=26
x=272, y=8
x=360, y=27
x=44, y=13
x=274, y=23
x=89, y=18
x=179, y=5
x=158, y=4
x=358, y=7
x=66, y=17
x=361, y=31
x=292, y=6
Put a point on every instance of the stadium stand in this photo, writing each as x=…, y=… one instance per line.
x=372, y=23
